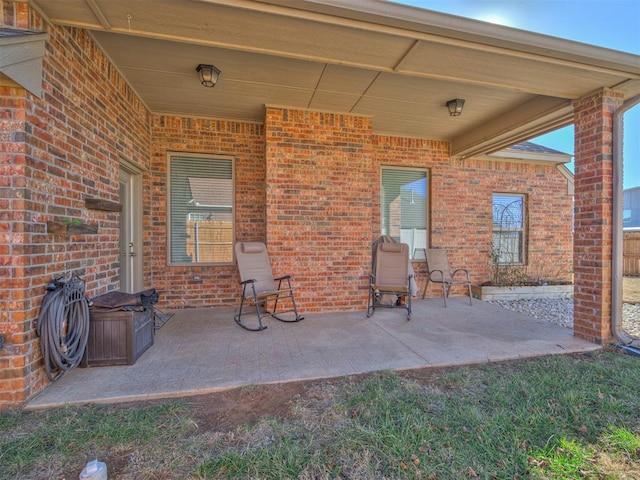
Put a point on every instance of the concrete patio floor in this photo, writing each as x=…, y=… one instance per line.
x=202, y=350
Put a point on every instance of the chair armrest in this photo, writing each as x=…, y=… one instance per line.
x=251, y=280
x=464, y=270
x=441, y=279
x=284, y=277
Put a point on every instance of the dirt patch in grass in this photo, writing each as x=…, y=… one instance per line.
x=211, y=414
x=226, y=410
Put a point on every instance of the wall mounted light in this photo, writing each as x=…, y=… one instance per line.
x=455, y=106
x=208, y=74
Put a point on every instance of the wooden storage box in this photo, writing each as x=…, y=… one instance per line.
x=118, y=337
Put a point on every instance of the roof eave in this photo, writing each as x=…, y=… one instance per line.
x=389, y=14
x=534, y=157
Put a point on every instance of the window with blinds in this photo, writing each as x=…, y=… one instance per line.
x=201, y=209
x=403, y=213
x=509, y=232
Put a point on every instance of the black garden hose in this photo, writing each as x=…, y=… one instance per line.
x=63, y=326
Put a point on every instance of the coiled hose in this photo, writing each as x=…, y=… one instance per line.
x=63, y=326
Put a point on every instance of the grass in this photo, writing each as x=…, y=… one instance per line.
x=38, y=442
x=557, y=417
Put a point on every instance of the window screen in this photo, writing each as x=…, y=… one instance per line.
x=201, y=209
x=404, y=208
x=508, y=229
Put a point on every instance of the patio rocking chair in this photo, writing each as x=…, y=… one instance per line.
x=439, y=271
x=269, y=297
x=390, y=283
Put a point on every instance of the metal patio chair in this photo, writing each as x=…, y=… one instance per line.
x=262, y=294
x=390, y=283
x=439, y=271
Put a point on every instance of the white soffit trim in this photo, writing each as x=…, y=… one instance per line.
x=535, y=157
x=21, y=60
x=568, y=174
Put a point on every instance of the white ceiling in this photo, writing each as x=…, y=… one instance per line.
x=367, y=57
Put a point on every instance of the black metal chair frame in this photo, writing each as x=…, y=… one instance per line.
x=394, y=277
x=260, y=302
x=377, y=294
x=261, y=289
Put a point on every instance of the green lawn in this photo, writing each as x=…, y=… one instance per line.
x=557, y=417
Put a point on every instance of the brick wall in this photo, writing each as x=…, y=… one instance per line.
x=217, y=285
x=320, y=176
x=460, y=210
x=308, y=189
x=54, y=151
x=319, y=211
x=594, y=213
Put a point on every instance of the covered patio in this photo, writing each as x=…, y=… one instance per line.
x=201, y=351
x=316, y=100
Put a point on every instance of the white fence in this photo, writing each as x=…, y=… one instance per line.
x=415, y=238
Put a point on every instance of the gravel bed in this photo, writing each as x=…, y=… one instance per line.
x=560, y=312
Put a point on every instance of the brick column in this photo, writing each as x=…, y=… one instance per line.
x=593, y=214
x=17, y=357
x=21, y=374
x=318, y=205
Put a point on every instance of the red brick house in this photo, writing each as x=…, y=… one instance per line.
x=322, y=108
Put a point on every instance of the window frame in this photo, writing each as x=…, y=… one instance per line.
x=415, y=256
x=523, y=229
x=199, y=156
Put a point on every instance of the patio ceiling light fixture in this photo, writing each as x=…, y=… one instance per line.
x=455, y=106
x=208, y=74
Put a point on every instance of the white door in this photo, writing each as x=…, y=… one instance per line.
x=130, y=229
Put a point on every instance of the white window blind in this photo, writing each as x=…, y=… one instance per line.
x=404, y=207
x=201, y=209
